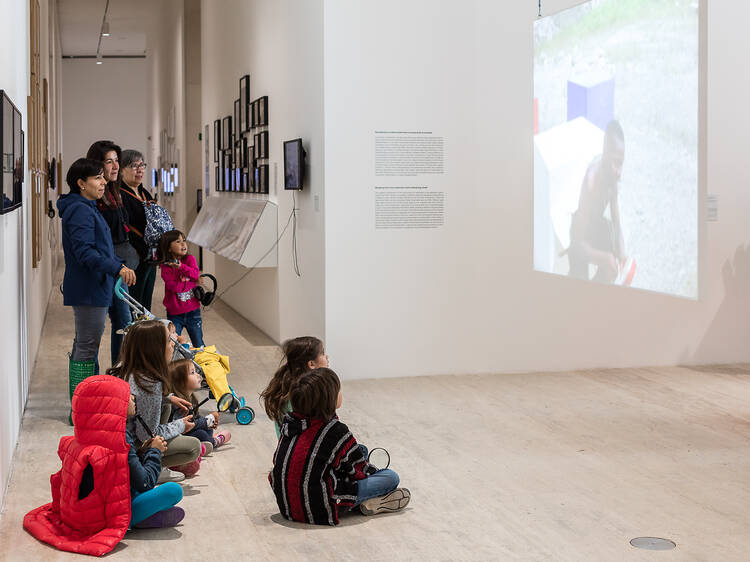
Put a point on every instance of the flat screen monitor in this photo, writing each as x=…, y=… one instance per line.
x=294, y=164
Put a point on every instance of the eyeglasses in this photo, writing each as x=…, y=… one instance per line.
x=141, y=166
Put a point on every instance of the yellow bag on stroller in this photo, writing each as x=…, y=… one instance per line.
x=215, y=369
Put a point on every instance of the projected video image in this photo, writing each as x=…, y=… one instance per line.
x=616, y=144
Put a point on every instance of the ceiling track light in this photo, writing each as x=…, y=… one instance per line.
x=103, y=32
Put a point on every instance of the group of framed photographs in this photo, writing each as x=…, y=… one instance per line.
x=240, y=145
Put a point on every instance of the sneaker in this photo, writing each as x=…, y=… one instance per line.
x=165, y=518
x=167, y=475
x=188, y=469
x=396, y=500
x=221, y=437
x=206, y=448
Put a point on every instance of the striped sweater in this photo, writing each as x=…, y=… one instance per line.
x=315, y=469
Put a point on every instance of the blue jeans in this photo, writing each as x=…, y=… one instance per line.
x=119, y=317
x=143, y=290
x=156, y=499
x=192, y=321
x=89, y=323
x=378, y=484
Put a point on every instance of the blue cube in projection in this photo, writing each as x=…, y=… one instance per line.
x=593, y=99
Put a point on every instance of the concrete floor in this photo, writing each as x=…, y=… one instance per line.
x=565, y=466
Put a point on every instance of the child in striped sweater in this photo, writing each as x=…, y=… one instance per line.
x=318, y=467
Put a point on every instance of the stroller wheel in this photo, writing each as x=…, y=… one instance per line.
x=245, y=415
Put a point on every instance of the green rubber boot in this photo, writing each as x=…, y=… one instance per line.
x=77, y=371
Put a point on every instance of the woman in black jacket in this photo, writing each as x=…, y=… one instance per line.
x=114, y=213
x=134, y=195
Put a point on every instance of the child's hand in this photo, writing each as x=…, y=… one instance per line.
x=182, y=339
x=157, y=442
x=180, y=403
x=189, y=425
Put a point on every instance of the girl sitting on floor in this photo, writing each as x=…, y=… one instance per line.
x=318, y=467
x=300, y=355
x=143, y=363
x=185, y=381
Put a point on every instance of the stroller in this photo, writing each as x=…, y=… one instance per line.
x=212, y=367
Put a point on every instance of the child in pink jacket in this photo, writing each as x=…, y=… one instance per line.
x=181, y=275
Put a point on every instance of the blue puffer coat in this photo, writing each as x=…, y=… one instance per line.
x=90, y=262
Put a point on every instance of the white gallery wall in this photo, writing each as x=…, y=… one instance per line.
x=102, y=101
x=463, y=297
x=24, y=290
x=280, y=44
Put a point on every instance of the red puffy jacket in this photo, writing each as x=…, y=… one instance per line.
x=90, y=509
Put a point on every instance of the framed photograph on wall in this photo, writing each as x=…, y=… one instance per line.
x=244, y=103
x=217, y=180
x=250, y=156
x=226, y=133
x=217, y=140
x=256, y=113
x=261, y=145
x=236, y=119
x=238, y=154
x=263, y=111
x=11, y=146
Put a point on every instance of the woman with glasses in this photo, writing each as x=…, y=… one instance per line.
x=116, y=216
x=134, y=195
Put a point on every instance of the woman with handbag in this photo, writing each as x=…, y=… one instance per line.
x=90, y=265
x=114, y=213
x=134, y=198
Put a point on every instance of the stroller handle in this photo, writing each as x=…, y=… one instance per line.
x=135, y=306
x=119, y=291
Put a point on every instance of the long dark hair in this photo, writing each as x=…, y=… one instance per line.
x=166, y=241
x=98, y=151
x=143, y=357
x=297, y=353
x=315, y=394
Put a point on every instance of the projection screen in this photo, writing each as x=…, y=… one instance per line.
x=616, y=144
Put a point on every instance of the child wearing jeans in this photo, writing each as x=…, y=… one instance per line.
x=318, y=467
x=181, y=275
x=185, y=381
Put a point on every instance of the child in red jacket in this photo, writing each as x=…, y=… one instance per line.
x=181, y=275
x=104, y=485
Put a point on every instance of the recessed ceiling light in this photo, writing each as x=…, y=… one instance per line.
x=105, y=29
x=99, y=59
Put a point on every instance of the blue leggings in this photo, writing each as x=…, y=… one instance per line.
x=156, y=499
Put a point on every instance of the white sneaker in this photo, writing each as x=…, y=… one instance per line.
x=396, y=500
x=167, y=475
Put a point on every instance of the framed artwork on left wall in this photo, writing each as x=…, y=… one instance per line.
x=11, y=145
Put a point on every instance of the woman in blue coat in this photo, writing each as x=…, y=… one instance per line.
x=90, y=265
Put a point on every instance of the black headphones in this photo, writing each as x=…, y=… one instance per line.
x=205, y=297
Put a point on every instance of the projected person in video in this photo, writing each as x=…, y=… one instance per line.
x=595, y=239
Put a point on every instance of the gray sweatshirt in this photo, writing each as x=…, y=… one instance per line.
x=148, y=406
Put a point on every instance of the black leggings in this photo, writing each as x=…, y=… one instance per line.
x=202, y=435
